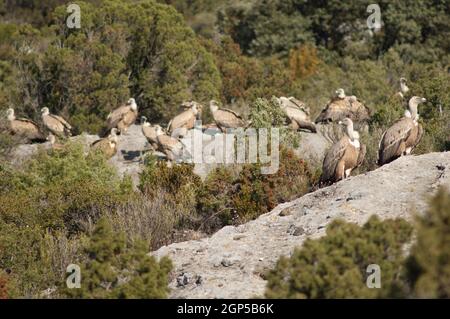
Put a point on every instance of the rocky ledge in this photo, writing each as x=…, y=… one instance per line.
x=231, y=263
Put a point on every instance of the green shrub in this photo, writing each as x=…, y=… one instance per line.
x=21, y=254
x=214, y=199
x=63, y=189
x=116, y=269
x=266, y=113
x=335, y=266
x=230, y=197
x=177, y=186
x=429, y=264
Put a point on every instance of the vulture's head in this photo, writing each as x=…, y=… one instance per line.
x=346, y=122
x=114, y=131
x=196, y=108
x=403, y=81
x=144, y=121
x=187, y=104
x=283, y=102
x=159, y=130
x=45, y=111
x=51, y=138
x=416, y=100
x=340, y=93
x=113, y=136
x=10, y=114
x=213, y=106
x=132, y=103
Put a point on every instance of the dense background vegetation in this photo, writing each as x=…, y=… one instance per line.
x=241, y=53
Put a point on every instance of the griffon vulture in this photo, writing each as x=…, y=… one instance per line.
x=169, y=145
x=149, y=132
x=123, y=117
x=226, y=118
x=343, y=106
x=25, y=129
x=55, y=124
x=344, y=156
x=298, y=113
x=185, y=120
x=403, y=136
x=107, y=145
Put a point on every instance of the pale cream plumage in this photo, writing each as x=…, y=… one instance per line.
x=225, y=118
x=56, y=124
x=25, y=129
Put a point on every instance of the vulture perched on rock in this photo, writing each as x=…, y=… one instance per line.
x=185, y=120
x=225, y=118
x=123, y=117
x=107, y=145
x=56, y=124
x=149, y=132
x=25, y=129
x=169, y=145
x=344, y=156
x=403, y=136
x=343, y=106
x=298, y=113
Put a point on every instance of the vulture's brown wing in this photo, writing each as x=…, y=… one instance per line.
x=116, y=116
x=419, y=136
x=334, y=154
x=97, y=143
x=168, y=142
x=129, y=118
x=361, y=155
x=231, y=111
x=150, y=133
x=299, y=104
x=63, y=121
x=53, y=124
x=27, y=121
x=337, y=109
x=27, y=128
x=392, y=138
x=228, y=118
x=184, y=119
x=359, y=110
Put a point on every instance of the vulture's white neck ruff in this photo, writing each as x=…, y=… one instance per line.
x=413, y=110
x=10, y=115
x=213, y=108
x=353, y=135
x=133, y=106
x=404, y=88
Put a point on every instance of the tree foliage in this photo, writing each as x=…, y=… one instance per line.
x=115, y=269
x=429, y=264
x=141, y=49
